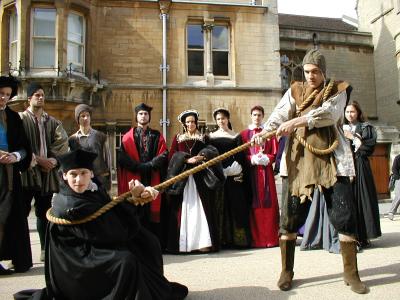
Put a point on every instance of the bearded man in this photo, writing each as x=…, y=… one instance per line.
x=143, y=156
x=47, y=139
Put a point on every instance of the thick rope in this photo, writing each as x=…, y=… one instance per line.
x=306, y=102
x=316, y=150
x=162, y=186
x=116, y=200
x=304, y=105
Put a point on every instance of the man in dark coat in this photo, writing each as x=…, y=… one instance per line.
x=15, y=156
x=47, y=139
x=92, y=140
x=143, y=156
x=110, y=257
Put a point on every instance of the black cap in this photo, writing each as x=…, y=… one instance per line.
x=32, y=88
x=143, y=106
x=77, y=159
x=11, y=82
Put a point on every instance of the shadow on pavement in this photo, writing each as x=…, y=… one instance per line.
x=387, y=275
x=182, y=258
x=387, y=240
x=36, y=270
x=240, y=293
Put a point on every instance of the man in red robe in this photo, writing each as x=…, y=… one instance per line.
x=264, y=213
x=143, y=156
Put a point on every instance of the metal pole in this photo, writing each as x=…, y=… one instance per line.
x=164, y=75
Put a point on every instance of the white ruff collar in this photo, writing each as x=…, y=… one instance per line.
x=222, y=133
x=186, y=137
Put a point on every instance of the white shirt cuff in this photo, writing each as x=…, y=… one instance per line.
x=17, y=155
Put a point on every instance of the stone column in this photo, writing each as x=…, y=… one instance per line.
x=61, y=33
x=164, y=6
x=23, y=49
x=397, y=53
x=207, y=28
x=111, y=129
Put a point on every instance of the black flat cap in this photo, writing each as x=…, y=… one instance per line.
x=143, y=106
x=77, y=159
x=11, y=82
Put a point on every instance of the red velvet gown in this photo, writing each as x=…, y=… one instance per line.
x=264, y=212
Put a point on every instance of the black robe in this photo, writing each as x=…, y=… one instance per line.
x=207, y=182
x=111, y=257
x=368, y=224
x=145, y=160
x=233, y=208
x=16, y=243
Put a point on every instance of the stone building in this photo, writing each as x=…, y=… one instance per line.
x=382, y=19
x=176, y=55
x=172, y=55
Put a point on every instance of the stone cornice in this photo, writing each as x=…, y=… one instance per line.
x=314, y=29
x=191, y=87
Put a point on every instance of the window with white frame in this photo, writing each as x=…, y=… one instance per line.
x=43, y=38
x=220, y=50
x=76, y=42
x=195, y=50
x=13, y=40
x=208, y=49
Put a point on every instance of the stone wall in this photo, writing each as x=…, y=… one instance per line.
x=119, y=106
x=382, y=19
x=349, y=57
x=128, y=52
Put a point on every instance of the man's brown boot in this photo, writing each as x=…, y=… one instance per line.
x=350, y=270
x=287, y=257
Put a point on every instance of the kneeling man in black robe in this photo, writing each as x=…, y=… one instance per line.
x=110, y=257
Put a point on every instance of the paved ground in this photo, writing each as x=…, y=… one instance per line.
x=252, y=274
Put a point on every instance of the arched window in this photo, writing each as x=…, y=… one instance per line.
x=291, y=68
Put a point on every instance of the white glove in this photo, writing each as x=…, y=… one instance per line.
x=228, y=171
x=263, y=160
x=255, y=159
x=236, y=168
x=260, y=159
x=357, y=143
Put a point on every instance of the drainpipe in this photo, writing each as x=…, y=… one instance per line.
x=164, y=68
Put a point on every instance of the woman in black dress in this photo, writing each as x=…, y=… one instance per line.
x=362, y=136
x=232, y=207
